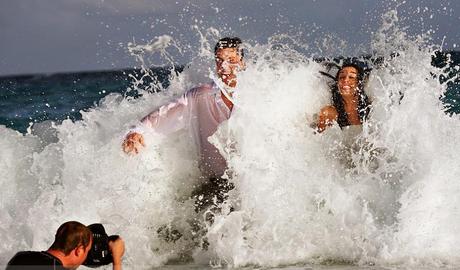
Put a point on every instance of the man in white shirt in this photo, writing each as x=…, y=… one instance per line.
x=200, y=110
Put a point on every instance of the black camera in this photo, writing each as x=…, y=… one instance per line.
x=99, y=253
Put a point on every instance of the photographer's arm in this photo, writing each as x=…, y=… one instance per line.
x=117, y=247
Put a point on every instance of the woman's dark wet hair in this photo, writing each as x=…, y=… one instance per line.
x=229, y=42
x=363, y=99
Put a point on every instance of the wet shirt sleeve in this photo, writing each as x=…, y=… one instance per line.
x=171, y=117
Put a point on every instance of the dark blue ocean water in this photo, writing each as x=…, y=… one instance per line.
x=25, y=100
x=28, y=99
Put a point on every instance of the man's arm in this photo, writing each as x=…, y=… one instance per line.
x=170, y=117
x=117, y=247
x=133, y=142
x=166, y=119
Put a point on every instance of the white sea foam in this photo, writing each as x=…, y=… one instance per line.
x=386, y=195
x=392, y=199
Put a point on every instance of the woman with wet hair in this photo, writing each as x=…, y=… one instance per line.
x=350, y=104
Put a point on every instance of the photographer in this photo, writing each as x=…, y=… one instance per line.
x=73, y=242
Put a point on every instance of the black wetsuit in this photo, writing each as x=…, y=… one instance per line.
x=34, y=260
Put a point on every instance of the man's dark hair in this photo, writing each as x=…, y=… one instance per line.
x=71, y=235
x=229, y=42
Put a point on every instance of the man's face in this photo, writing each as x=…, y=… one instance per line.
x=228, y=63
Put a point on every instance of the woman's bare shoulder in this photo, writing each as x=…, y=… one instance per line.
x=328, y=110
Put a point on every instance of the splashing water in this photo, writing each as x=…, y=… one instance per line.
x=392, y=200
x=386, y=195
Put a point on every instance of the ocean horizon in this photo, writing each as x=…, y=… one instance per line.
x=62, y=95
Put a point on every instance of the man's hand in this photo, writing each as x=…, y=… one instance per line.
x=117, y=247
x=133, y=143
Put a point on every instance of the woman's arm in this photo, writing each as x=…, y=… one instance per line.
x=327, y=116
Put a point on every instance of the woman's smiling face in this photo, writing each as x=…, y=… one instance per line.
x=347, y=81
